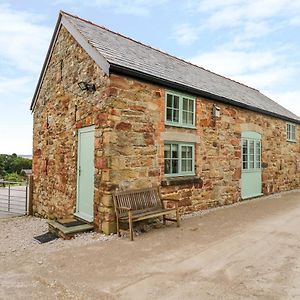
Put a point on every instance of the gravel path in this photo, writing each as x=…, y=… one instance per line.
x=16, y=236
x=16, y=233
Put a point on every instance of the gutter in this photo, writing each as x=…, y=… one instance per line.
x=181, y=87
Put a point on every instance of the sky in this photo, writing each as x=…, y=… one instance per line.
x=256, y=42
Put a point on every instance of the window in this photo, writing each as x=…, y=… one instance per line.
x=251, y=154
x=180, y=110
x=291, y=132
x=179, y=159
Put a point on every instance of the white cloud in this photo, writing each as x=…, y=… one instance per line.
x=23, y=40
x=266, y=78
x=289, y=99
x=231, y=62
x=250, y=19
x=185, y=34
x=244, y=54
x=232, y=13
x=8, y=85
x=295, y=21
x=131, y=7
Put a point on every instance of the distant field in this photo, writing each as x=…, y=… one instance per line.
x=29, y=156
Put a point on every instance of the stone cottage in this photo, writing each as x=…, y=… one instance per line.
x=110, y=112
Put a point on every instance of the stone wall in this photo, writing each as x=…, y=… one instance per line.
x=138, y=147
x=128, y=115
x=61, y=109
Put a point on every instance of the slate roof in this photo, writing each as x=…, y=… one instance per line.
x=123, y=53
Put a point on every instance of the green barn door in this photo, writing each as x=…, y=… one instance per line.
x=251, y=185
x=85, y=174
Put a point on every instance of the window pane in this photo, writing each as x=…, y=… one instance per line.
x=167, y=166
x=189, y=152
x=175, y=115
x=189, y=165
x=185, y=104
x=176, y=102
x=167, y=151
x=191, y=105
x=174, y=166
x=183, y=152
x=169, y=100
x=258, y=154
x=169, y=114
x=184, y=117
x=293, y=132
x=190, y=118
x=245, y=154
x=251, y=152
x=174, y=151
x=183, y=166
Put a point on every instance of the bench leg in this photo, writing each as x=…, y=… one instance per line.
x=118, y=227
x=177, y=215
x=130, y=225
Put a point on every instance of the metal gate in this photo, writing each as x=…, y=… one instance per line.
x=13, y=197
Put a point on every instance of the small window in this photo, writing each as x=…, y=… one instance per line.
x=291, y=132
x=179, y=159
x=180, y=110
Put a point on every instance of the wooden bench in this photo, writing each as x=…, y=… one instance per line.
x=137, y=205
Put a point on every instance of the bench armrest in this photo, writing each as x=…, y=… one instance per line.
x=124, y=207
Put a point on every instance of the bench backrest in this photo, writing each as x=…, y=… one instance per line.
x=138, y=200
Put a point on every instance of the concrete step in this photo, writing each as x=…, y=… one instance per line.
x=68, y=232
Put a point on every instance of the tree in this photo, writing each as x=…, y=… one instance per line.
x=13, y=164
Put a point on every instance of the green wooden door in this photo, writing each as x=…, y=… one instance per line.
x=85, y=174
x=251, y=185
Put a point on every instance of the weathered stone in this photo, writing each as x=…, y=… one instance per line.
x=123, y=126
x=129, y=121
x=108, y=227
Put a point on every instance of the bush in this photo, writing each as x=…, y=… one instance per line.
x=13, y=177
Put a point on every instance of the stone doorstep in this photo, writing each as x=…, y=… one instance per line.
x=68, y=232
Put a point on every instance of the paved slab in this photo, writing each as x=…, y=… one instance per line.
x=248, y=251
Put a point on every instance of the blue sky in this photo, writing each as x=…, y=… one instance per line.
x=255, y=42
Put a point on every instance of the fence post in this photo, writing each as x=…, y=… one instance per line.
x=30, y=196
x=26, y=196
x=8, y=203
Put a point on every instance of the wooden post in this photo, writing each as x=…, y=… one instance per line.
x=130, y=224
x=30, y=196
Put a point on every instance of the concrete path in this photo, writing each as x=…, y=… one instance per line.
x=249, y=251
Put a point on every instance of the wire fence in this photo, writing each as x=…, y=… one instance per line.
x=13, y=197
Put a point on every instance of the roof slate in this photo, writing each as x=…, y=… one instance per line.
x=127, y=53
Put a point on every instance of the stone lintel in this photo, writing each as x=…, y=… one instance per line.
x=180, y=137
